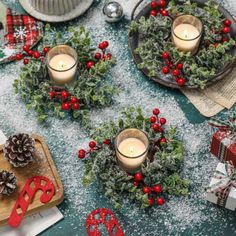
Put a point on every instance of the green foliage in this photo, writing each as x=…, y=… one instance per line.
x=155, y=38
x=90, y=87
x=162, y=168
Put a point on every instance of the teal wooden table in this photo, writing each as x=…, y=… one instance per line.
x=192, y=215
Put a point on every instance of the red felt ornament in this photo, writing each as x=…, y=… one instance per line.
x=153, y=119
x=81, y=153
x=138, y=177
x=156, y=111
x=162, y=121
x=160, y=201
x=165, y=70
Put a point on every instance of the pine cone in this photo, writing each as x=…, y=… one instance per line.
x=19, y=149
x=8, y=183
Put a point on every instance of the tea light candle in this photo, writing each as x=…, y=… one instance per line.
x=131, y=149
x=186, y=33
x=62, y=64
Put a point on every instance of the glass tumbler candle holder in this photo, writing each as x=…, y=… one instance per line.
x=62, y=61
x=131, y=149
x=186, y=33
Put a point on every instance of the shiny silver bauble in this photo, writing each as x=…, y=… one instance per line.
x=112, y=11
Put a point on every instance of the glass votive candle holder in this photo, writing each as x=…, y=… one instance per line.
x=131, y=149
x=186, y=33
x=62, y=61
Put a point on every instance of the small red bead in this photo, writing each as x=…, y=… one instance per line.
x=146, y=190
x=76, y=106
x=107, y=141
x=98, y=55
x=138, y=177
x=226, y=30
x=176, y=72
x=156, y=127
x=74, y=99
x=156, y=111
x=52, y=94
x=26, y=48
x=153, y=119
x=92, y=144
x=135, y=183
x=160, y=201
x=153, y=5
x=165, y=13
x=180, y=66
x=65, y=106
x=165, y=55
x=227, y=22
x=64, y=94
x=46, y=50
x=81, y=154
x=30, y=52
x=90, y=64
x=162, y=121
x=37, y=55
x=163, y=140
x=150, y=201
x=180, y=81
x=26, y=61
x=165, y=70
x=19, y=57
x=162, y=3
x=153, y=13
x=157, y=188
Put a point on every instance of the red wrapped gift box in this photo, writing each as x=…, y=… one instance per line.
x=223, y=146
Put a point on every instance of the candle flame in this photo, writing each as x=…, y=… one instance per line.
x=186, y=34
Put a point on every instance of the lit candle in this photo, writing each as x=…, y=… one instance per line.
x=186, y=33
x=131, y=149
x=62, y=64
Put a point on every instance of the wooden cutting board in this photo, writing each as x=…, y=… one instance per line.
x=43, y=165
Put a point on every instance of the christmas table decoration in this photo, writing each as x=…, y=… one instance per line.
x=222, y=189
x=19, y=149
x=223, y=144
x=75, y=99
x=8, y=183
x=158, y=176
x=155, y=51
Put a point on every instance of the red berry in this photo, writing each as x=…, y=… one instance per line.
x=26, y=61
x=135, y=183
x=46, y=50
x=225, y=39
x=153, y=13
x=157, y=188
x=160, y=201
x=52, y=94
x=30, y=52
x=138, y=177
x=227, y=22
x=153, y=5
x=37, y=55
x=153, y=119
x=65, y=106
x=90, y=64
x=226, y=30
x=26, y=48
x=162, y=121
x=74, y=99
x=216, y=45
x=150, y=201
x=76, y=106
x=165, y=13
x=64, y=94
x=19, y=57
x=156, y=111
x=180, y=81
x=92, y=144
x=162, y=3
x=161, y=129
x=98, y=55
x=176, y=72
x=109, y=56
x=165, y=55
x=163, y=140
x=180, y=66
x=156, y=127
x=165, y=70
x=81, y=154
x=107, y=141
x=103, y=45
x=146, y=190
x=169, y=63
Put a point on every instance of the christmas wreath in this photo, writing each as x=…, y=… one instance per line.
x=89, y=90
x=159, y=174
x=160, y=56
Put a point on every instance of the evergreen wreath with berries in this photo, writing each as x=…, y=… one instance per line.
x=89, y=90
x=162, y=59
x=159, y=174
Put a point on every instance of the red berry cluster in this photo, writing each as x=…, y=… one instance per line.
x=67, y=102
x=30, y=53
x=151, y=191
x=100, y=55
x=158, y=7
x=174, y=69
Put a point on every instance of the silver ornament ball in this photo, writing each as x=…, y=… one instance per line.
x=112, y=11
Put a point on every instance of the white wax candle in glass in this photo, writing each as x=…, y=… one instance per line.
x=131, y=149
x=186, y=33
x=62, y=64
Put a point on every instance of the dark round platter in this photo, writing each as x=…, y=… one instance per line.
x=134, y=42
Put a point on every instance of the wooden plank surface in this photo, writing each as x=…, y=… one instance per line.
x=42, y=165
